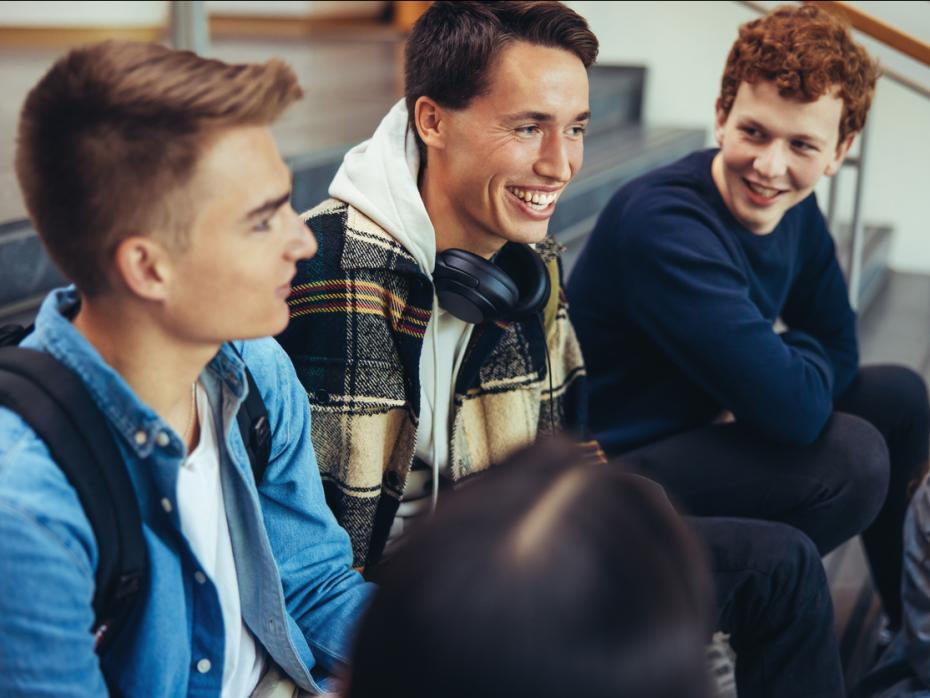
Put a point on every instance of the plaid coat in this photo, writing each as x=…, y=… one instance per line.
x=359, y=311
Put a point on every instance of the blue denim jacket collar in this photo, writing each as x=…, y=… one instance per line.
x=133, y=420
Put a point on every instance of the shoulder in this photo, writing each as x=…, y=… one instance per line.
x=348, y=239
x=283, y=397
x=805, y=227
x=333, y=217
x=36, y=499
x=670, y=202
x=269, y=365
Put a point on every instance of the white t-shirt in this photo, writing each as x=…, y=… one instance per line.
x=440, y=360
x=203, y=522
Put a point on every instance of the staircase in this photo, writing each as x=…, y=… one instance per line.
x=618, y=147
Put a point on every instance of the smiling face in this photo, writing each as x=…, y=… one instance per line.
x=773, y=152
x=232, y=279
x=496, y=168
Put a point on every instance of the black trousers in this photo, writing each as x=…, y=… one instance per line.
x=773, y=601
x=852, y=480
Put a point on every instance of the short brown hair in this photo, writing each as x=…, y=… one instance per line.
x=805, y=51
x=113, y=131
x=453, y=46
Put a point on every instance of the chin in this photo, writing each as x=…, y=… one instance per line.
x=279, y=327
x=272, y=324
x=527, y=234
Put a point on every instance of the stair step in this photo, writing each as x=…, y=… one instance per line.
x=876, y=247
x=615, y=154
x=615, y=93
x=612, y=159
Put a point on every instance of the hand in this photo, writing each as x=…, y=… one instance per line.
x=725, y=417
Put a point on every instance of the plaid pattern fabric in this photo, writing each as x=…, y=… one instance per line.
x=359, y=311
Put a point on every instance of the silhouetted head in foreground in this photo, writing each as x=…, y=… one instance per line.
x=548, y=577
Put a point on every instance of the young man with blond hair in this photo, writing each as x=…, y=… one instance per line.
x=690, y=273
x=153, y=180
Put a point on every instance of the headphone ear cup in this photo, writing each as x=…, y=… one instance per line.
x=472, y=288
x=524, y=265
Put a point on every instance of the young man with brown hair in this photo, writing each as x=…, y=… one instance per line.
x=153, y=180
x=409, y=389
x=414, y=378
x=677, y=295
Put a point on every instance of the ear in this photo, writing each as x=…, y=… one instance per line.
x=842, y=149
x=429, y=119
x=144, y=266
x=720, y=121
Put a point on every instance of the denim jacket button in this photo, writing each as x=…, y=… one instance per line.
x=162, y=439
x=140, y=437
x=166, y=505
x=200, y=577
x=204, y=665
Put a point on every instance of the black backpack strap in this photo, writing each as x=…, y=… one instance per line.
x=255, y=429
x=11, y=335
x=55, y=403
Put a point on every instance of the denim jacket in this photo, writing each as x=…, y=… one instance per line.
x=300, y=596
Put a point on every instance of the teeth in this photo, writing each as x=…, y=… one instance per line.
x=764, y=191
x=536, y=199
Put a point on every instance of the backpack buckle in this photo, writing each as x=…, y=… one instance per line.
x=260, y=435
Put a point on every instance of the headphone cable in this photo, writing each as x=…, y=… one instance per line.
x=542, y=326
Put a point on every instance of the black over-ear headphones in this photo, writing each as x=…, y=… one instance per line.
x=513, y=286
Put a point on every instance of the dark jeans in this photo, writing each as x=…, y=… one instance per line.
x=845, y=483
x=773, y=601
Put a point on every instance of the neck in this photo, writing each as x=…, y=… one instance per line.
x=451, y=231
x=160, y=368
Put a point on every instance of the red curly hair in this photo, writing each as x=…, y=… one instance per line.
x=805, y=51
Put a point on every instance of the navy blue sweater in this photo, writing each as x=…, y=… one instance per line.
x=674, y=303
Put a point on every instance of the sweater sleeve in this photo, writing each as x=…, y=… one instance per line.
x=683, y=288
x=818, y=303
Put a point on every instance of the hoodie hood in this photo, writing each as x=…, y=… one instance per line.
x=379, y=178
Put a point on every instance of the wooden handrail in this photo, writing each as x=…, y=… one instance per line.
x=877, y=29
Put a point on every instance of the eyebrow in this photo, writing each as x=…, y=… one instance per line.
x=746, y=121
x=269, y=206
x=542, y=116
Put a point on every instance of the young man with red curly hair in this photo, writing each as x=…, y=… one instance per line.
x=678, y=296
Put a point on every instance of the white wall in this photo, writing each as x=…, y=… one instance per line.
x=141, y=13
x=296, y=8
x=147, y=13
x=684, y=45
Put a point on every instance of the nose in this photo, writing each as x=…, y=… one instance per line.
x=771, y=162
x=301, y=243
x=558, y=159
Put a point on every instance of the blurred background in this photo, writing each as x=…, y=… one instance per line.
x=652, y=97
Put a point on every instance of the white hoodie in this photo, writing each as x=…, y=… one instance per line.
x=379, y=178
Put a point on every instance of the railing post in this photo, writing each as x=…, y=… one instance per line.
x=189, y=28
x=832, y=189
x=858, y=225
